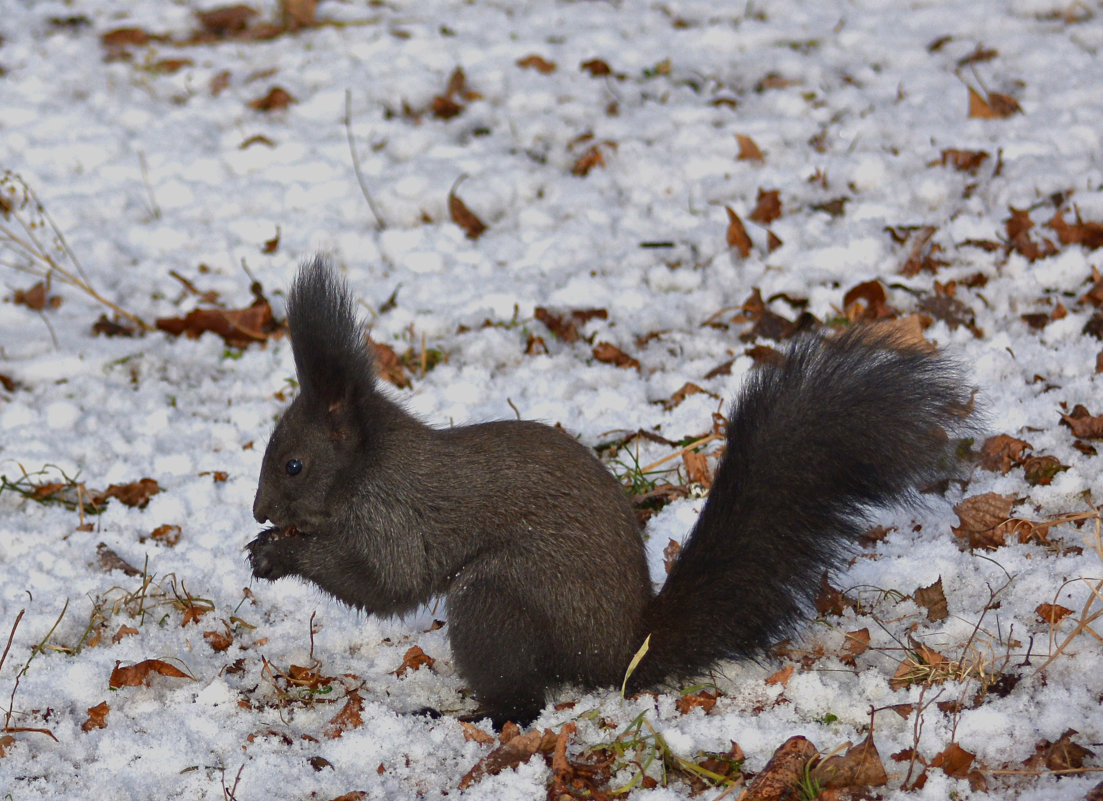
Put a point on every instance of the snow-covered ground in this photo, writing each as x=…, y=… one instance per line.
x=151, y=161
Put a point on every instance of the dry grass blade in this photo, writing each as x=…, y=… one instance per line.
x=23, y=220
x=1095, y=594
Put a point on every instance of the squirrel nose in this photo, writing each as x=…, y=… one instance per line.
x=260, y=511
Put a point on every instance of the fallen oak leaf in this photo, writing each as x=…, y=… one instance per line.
x=138, y=674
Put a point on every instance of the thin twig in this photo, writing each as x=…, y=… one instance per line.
x=11, y=637
x=356, y=162
x=690, y=447
x=46, y=266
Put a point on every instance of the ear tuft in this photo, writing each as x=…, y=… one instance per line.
x=331, y=356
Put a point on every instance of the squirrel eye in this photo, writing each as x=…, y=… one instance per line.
x=294, y=467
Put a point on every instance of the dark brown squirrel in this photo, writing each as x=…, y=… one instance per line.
x=532, y=540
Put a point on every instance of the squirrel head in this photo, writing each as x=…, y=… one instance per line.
x=320, y=442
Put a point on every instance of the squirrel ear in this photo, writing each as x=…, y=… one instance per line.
x=332, y=359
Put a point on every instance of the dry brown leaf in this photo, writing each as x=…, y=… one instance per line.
x=97, y=717
x=124, y=631
x=297, y=14
x=347, y=718
x=857, y=643
x=964, y=160
x=167, y=534
x=748, y=150
x=139, y=674
x=784, y=770
x=1063, y=754
x=238, y=327
x=703, y=699
x=473, y=732
x=992, y=105
x=414, y=659
x=1083, y=423
x=933, y=599
x=109, y=560
x=687, y=389
x=737, y=234
x=1052, y=614
x=6, y=742
x=670, y=554
x=596, y=67
x=768, y=206
x=276, y=99
x=781, y=677
x=463, y=217
x=609, y=353
x=1039, y=471
x=1003, y=452
x=587, y=161
x=35, y=298
x=860, y=766
x=509, y=754
x=136, y=494
x=1088, y=234
x=219, y=640
x=867, y=301
x=565, y=324
x=697, y=468
x=227, y=20
x=954, y=760
x=538, y=63
x=981, y=517
x=830, y=601
x=388, y=365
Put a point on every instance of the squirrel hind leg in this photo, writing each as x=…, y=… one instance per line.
x=501, y=651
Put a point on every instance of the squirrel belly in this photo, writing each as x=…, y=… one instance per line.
x=533, y=542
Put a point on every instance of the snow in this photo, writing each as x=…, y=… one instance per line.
x=147, y=173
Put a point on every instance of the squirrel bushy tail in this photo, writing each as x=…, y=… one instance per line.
x=844, y=424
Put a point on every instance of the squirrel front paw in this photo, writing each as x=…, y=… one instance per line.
x=268, y=552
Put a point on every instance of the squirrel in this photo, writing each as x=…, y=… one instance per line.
x=534, y=543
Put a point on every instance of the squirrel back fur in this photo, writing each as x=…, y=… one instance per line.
x=533, y=542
